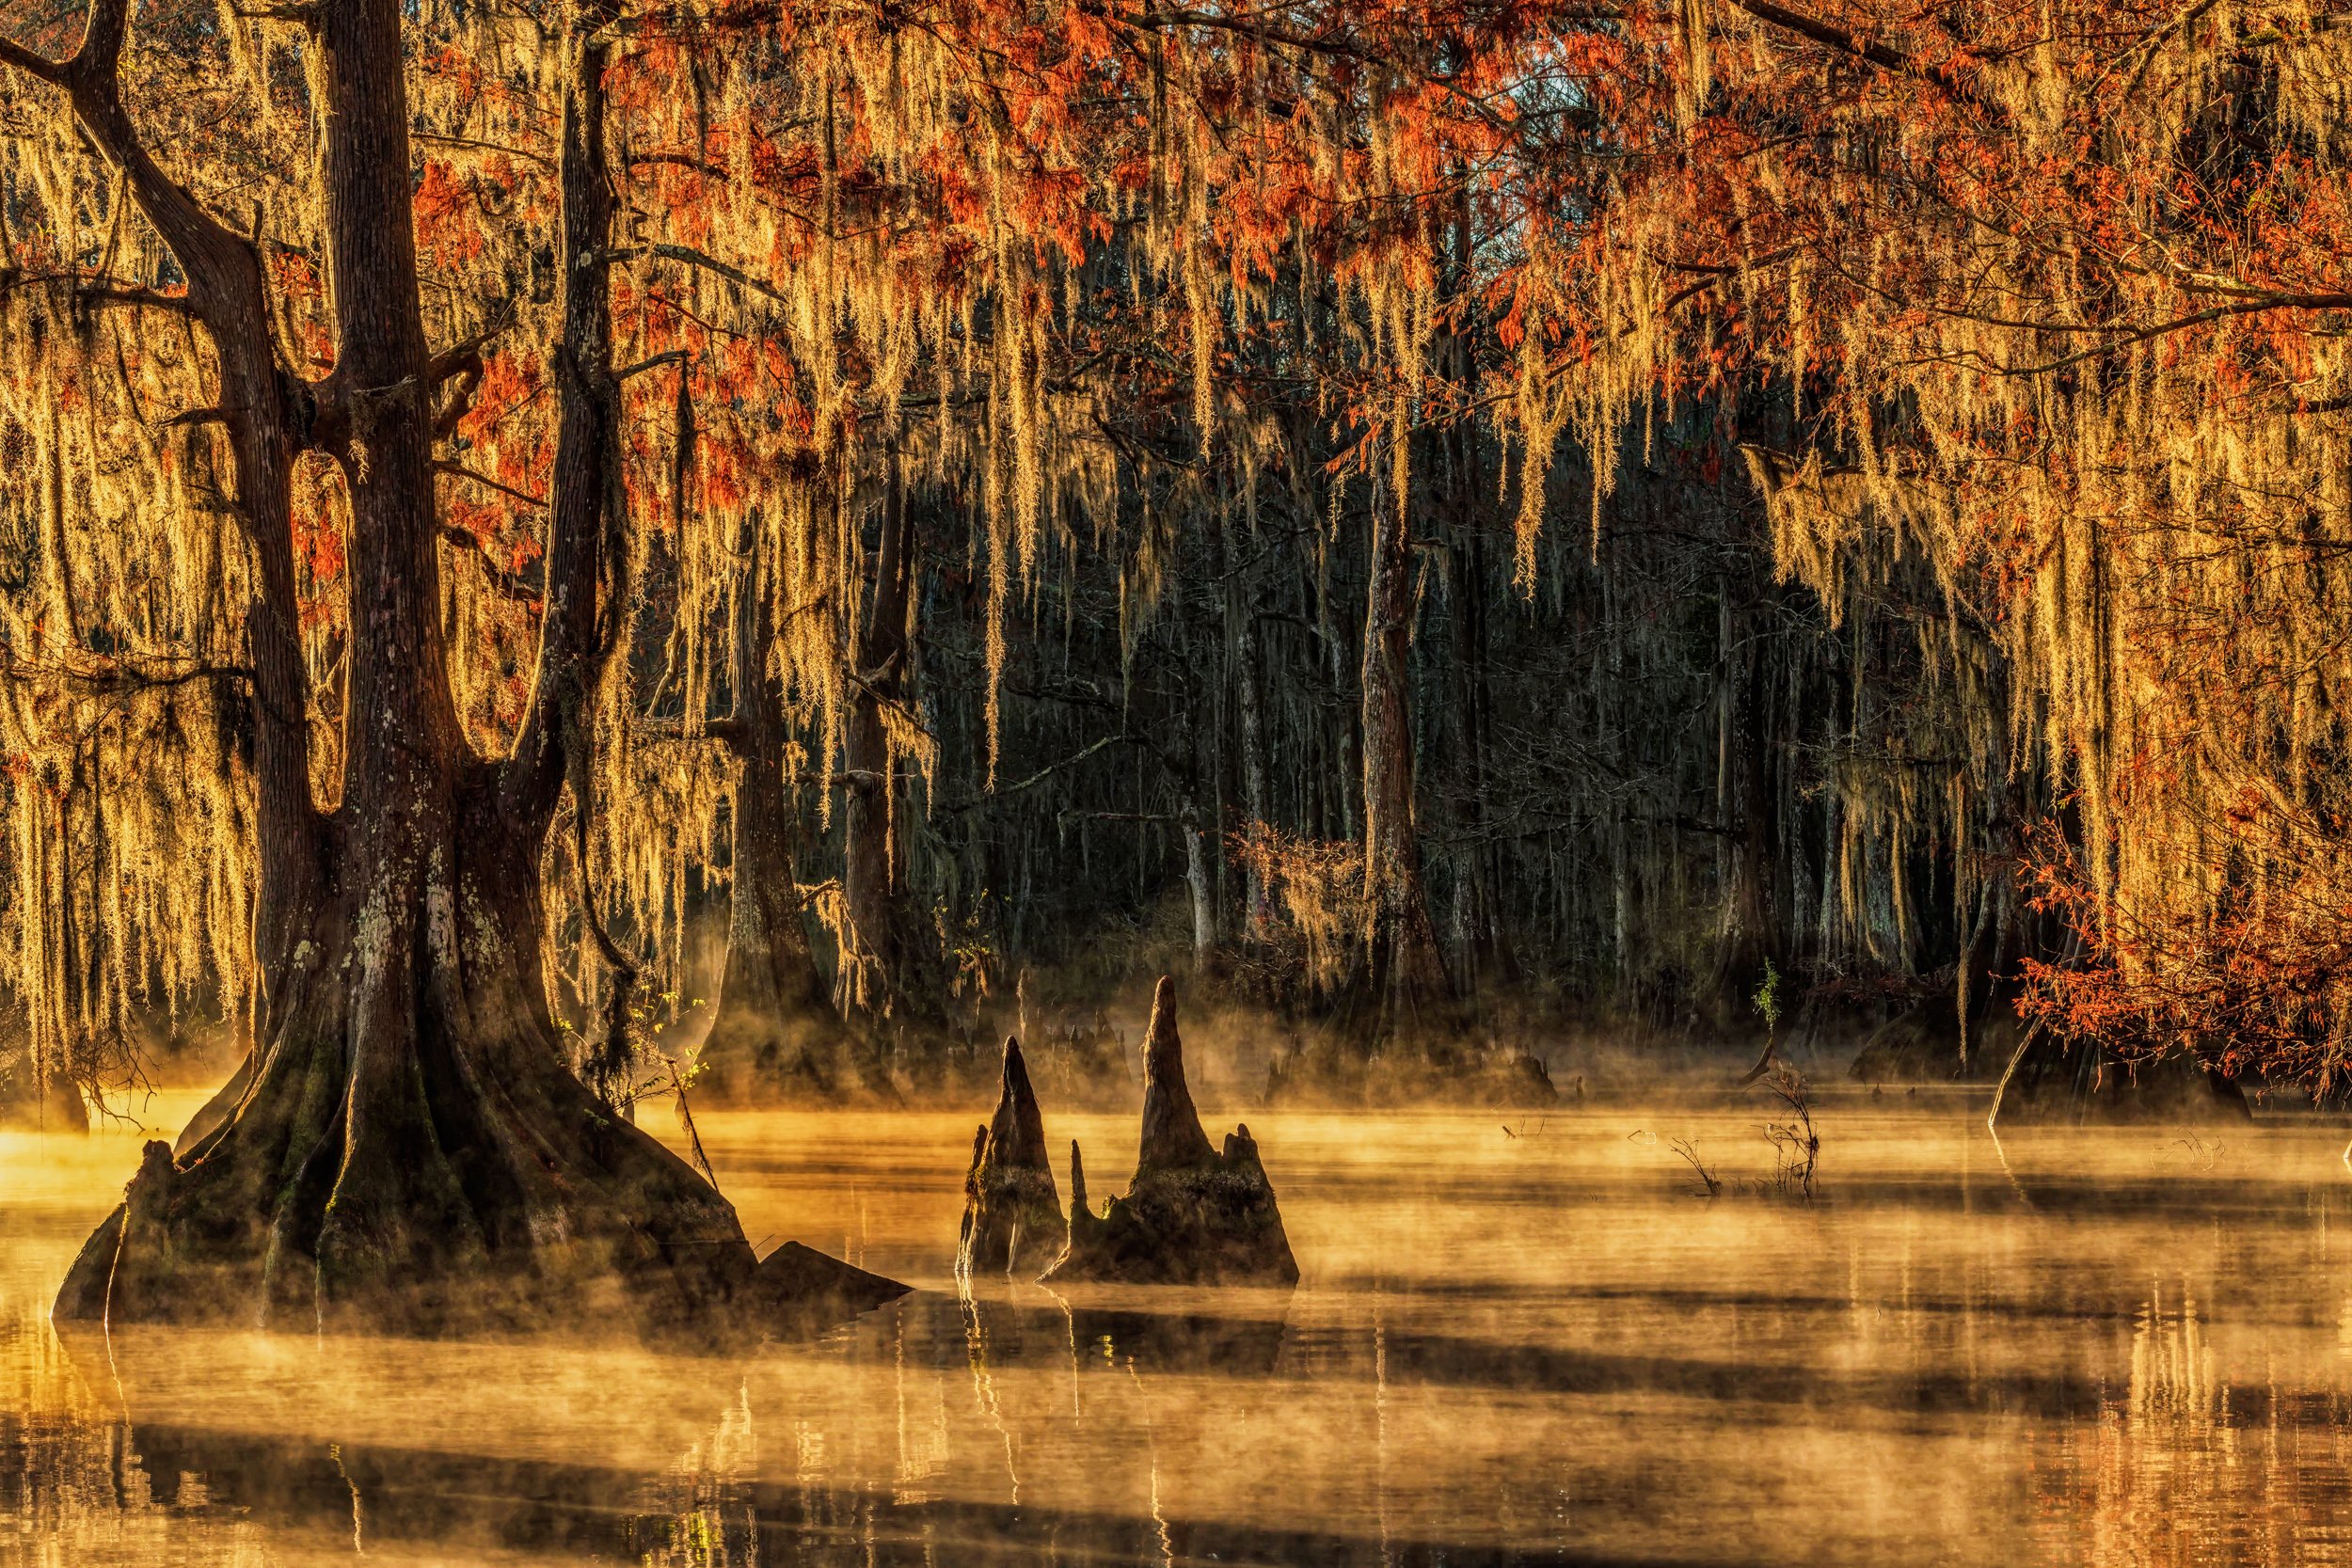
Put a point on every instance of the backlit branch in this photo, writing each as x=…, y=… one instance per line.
x=1847, y=42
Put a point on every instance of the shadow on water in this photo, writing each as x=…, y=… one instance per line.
x=453, y=1503
x=1192, y=1337
x=381, y=1497
x=1206, y=1342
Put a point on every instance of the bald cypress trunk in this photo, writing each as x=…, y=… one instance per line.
x=1406, y=969
x=413, y=1150
x=1194, y=1215
x=874, y=859
x=775, y=1032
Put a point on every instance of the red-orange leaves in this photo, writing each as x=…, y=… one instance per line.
x=448, y=228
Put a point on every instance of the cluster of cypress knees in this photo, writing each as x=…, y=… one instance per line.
x=1192, y=1216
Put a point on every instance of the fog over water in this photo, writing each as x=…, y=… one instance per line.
x=1519, y=1339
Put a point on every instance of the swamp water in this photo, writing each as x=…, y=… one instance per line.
x=2113, y=1346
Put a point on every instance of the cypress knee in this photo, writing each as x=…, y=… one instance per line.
x=1193, y=1215
x=1012, y=1217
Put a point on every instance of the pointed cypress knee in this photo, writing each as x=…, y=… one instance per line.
x=1012, y=1217
x=1173, y=1139
x=1085, y=1226
x=1192, y=1216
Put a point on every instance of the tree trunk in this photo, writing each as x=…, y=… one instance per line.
x=267, y=416
x=1477, y=921
x=1748, y=937
x=1203, y=896
x=1251, y=715
x=872, y=879
x=414, y=1152
x=1406, y=969
x=775, y=1033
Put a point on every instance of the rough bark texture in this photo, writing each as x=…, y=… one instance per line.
x=412, y=1150
x=214, y=1113
x=1192, y=1216
x=1407, y=970
x=1172, y=1139
x=1012, y=1217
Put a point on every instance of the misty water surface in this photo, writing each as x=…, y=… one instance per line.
x=2118, y=1346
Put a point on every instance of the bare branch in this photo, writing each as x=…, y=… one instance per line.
x=674, y=356
x=97, y=289
x=1879, y=55
x=119, y=677
x=31, y=64
x=144, y=299
x=524, y=154
x=1042, y=774
x=696, y=259
x=459, y=470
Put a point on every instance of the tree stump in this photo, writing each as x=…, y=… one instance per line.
x=1192, y=1216
x=1012, y=1219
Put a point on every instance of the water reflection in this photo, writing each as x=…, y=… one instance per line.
x=1533, y=1349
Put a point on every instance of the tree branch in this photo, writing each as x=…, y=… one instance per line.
x=674, y=356
x=95, y=63
x=31, y=64
x=1044, y=773
x=458, y=471
x=96, y=289
x=2127, y=339
x=146, y=299
x=696, y=259
x=509, y=583
x=1879, y=55
x=119, y=677
x=440, y=141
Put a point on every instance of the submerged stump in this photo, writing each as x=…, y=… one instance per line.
x=801, y=1290
x=1193, y=1215
x=1012, y=1218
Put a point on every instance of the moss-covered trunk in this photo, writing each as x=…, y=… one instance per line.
x=412, y=1149
x=775, y=1033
